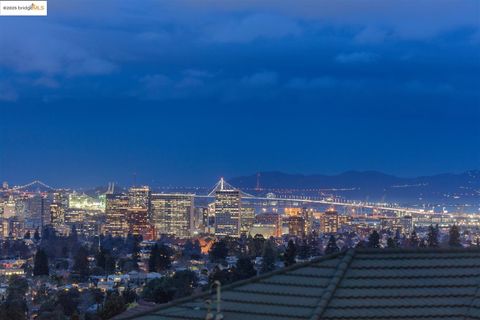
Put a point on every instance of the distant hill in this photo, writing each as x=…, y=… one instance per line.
x=449, y=188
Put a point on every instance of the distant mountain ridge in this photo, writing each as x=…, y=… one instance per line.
x=373, y=184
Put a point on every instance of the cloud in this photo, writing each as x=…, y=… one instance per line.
x=198, y=73
x=7, y=93
x=356, y=57
x=314, y=83
x=46, y=82
x=50, y=50
x=424, y=87
x=186, y=49
x=266, y=78
x=253, y=27
x=371, y=34
x=418, y=19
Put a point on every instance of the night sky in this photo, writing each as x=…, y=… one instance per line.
x=183, y=92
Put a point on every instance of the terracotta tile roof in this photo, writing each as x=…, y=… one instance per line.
x=357, y=284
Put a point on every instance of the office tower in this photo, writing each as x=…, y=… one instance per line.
x=16, y=228
x=269, y=219
x=329, y=222
x=46, y=216
x=247, y=217
x=58, y=208
x=92, y=221
x=292, y=211
x=296, y=225
x=172, y=214
x=37, y=211
x=116, y=210
x=227, y=210
x=139, y=211
x=33, y=211
x=74, y=216
x=9, y=208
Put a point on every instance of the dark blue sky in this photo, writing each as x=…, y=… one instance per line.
x=182, y=92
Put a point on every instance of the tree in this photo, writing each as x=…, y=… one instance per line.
x=163, y=290
x=187, y=249
x=196, y=250
x=414, y=241
x=69, y=300
x=40, y=267
x=73, y=234
x=224, y=276
x=129, y=295
x=100, y=258
x=158, y=291
x=314, y=245
x=391, y=243
x=152, y=260
x=105, y=260
x=374, y=240
x=36, y=235
x=268, y=257
x=290, y=254
x=13, y=309
x=110, y=264
x=80, y=264
x=136, y=250
x=184, y=282
x=164, y=260
x=114, y=304
x=244, y=269
x=432, y=237
x=304, y=250
x=219, y=251
x=332, y=246
x=255, y=245
x=15, y=306
x=160, y=258
x=398, y=238
x=454, y=237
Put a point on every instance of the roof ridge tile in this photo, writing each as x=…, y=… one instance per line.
x=342, y=268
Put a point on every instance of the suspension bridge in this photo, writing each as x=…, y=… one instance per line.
x=37, y=183
x=222, y=185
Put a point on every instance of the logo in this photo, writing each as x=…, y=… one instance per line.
x=23, y=8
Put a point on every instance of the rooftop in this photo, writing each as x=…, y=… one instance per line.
x=356, y=284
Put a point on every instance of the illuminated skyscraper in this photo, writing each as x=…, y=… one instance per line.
x=296, y=226
x=247, y=217
x=116, y=210
x=330, y=222
x=36, y=210
x=57, y=209
x=270, y=219
x=139, y=211
x=228, y=207
x=172, y=214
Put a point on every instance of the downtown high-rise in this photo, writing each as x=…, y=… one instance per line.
x=116, y=209
x=172, y=214
x=228, y=209
x=138, y=215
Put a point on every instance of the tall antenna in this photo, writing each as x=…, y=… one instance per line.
x=257, y=187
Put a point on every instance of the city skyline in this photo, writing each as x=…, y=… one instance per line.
x=189, y=93
x=214, y=159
